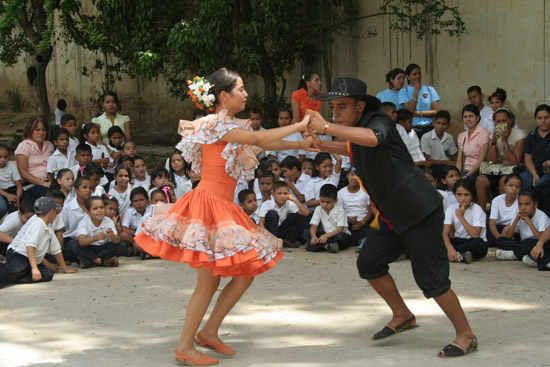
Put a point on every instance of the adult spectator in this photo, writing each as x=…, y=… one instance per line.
x=504, y=154
x=396, y=80
x=31, y=157
x=537, y=151
x=475, y=96
x=303, y=98
x=422, y=100
x=472, y=143
x=111, y=117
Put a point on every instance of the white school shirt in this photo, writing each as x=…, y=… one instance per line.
x=59, y=161
x=282, y=211
x=290, y=152
x=132, y=218
x=241, y=185
x=58, y=223
x=486, y=120
x=355, y=204
x=38, y=234
x=540, y=221
x=72, y=215
x=183, y=185
x=449, y=198
x=473, y=215
x=123, y=198
x=438, y=149
x=256, y=188
x=11, y=224
x=411, y=142
x=504, y=215
x=302, y=183
x=73, y=143
x=89, y=229
x=146, y=184
x=315, y=184
x=255, y=217
x=9, y=175
x=99, y=151
x=330, y=221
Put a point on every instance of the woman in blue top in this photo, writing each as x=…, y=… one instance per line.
x=422, y=100
x=396, y=80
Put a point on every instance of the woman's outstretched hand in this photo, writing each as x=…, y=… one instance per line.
x=316, y=122
x=303, y=125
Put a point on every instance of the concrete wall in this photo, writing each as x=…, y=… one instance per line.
x=505, y=46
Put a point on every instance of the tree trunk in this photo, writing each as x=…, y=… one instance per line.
x=41, y=105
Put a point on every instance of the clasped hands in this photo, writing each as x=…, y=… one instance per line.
x=312, y=125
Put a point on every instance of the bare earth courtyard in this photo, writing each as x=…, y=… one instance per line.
x=311, y=310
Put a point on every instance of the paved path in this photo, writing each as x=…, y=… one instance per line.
x=312, y=310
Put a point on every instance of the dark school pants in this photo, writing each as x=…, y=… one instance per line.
x=423, y=243
x=290, y=229
x=520, y=247
x=17, y=269
x=343, y=240
x=87, y=254
x=476, y=246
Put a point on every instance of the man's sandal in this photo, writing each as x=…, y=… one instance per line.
x=455, y=350
x=200, y=359
x=388, y=331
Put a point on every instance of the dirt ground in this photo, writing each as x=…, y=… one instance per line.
x=311, y=310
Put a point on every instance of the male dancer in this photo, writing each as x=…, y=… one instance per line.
x=409, y=205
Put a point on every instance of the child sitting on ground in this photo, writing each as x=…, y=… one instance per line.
x=116, y=142
x=13, y=222
x=467, y=221
x=140, y=174
x=325, y=173
x=449, y=177
x=11, y=188
x=62, y=157
x=409, y=137
x=73, y=212
x=308, y=167
x=97, y=236
x=27, y=250
x=329, y=224
x=68, y=122
x=100, y=154
x=122, y=189
x=265, y=186
x=438, y=145
x=83, y=157
x=248, y=202
x=179, y=172
x=131, y=221
x=541, y=252
x=530, y=223
x=129, y=149
x=356, y=204
x=296, y=180
x=504, y=209
x=64, y=180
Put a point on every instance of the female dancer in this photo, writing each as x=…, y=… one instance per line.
x=204, y=228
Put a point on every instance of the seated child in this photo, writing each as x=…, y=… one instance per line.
x=116, y=142
x=438, y=145
x=160, y=179
x=356, y=204
x=265, y=187
x=100, y=154
x=504, y=209
x=13, y=222
x=27, y=250
x=329, y=224
x=11, y=188
x=64, y=179
x=409, y=137
x=62, y=157
x=122, y=189
x=449, y=177
x=140, y=175
x=467, y=221
x=247, y=201
x=68, y=122
x=530, y=223
x=283, y=215
x=73, y=212
x=325, y=173
x=129, y=149
x=308, y=167
x=111, y=211
x=96, y=175
x=297, y=180
x=541, y=252
x=97, y=236
x=83, y=157
x=390, y=109
x=179, y=172
x=131, y=221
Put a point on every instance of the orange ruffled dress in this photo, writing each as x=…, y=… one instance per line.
x=205, y=228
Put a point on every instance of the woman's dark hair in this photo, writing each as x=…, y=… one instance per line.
x=531, y=194
x=123, y=167
x=111, y=94
x=307, y=77
x=223, y=80
x=474, y=88
x=138, y=191
x=115, y=129
x=57, y=131
x=31, y=125
x=86, y=128
x=91, y=199
x=468, y=184
x=471, y=108
x=509, y=113
x=499, y=94
x=392, y=74
x=542, y=107
x=410, y=68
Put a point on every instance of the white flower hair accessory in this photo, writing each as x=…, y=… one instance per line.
x=199, y=88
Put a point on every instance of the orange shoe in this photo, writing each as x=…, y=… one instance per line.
x=216, y=346
x=200, y=360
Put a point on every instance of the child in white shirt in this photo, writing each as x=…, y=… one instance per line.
x=13, y=222
x=131, y=221
x=326, y=173
x=179, y=171
x=74, y=210
x=97, y=236
x=33, y=241
x=62, y=157
x=297, y=180
x=449, y=177
x=122, y=189
x=329, y=224
x=116, y=142
x=530, y=223
x=100, y=153
x=140, y=175
x=11, y=188
x=504, y=209
x=68, y=122
x=248, y=202
x=409, y=137
x=467, y=222
x=356, y=204
x=65, y=182
x=283, y=215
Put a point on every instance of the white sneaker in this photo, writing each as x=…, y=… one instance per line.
x=529, y=261
x=505, y=255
